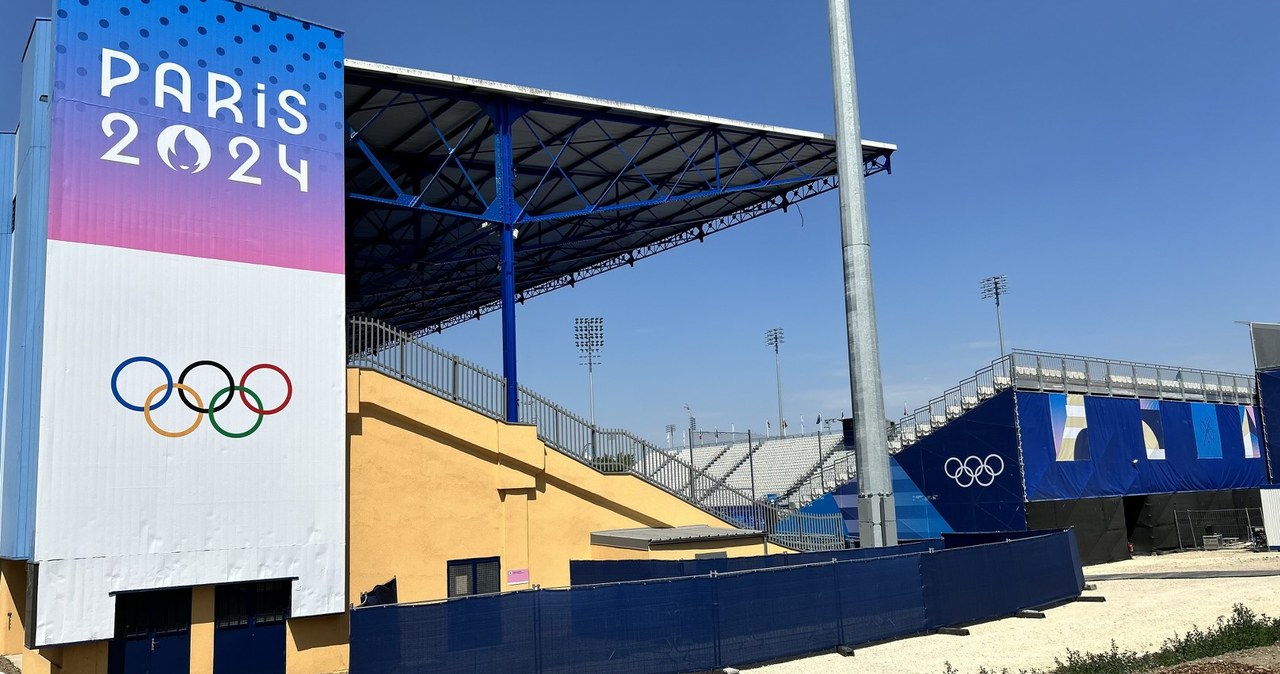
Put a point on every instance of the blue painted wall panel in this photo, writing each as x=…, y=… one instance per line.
x=968, y=469
x=8, y=164
x=21, y=406
x=918, y=519
x=962, y=477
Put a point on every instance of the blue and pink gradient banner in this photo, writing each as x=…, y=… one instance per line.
x=195, y=237
x=199, y=130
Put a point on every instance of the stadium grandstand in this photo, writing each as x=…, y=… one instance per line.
x=425, y=200
x=1038, y=440
x=775, y=469
x=402, y=480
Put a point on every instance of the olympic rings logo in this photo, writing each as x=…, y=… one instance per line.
x=973, y=470
x=194, y=402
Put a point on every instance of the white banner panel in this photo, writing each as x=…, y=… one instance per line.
x=192, y=423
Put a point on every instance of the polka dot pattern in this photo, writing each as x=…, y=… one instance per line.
x=229, y=38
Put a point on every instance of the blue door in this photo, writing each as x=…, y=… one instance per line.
x=153, y=633
x=249, y=637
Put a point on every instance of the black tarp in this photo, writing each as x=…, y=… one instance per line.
x=1101, y=535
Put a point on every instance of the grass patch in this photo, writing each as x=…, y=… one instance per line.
x=1242, y=630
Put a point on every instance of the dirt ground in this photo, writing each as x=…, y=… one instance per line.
x=1148, y=600
x=1252, y=661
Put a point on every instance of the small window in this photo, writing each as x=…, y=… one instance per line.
x=246, y=604
x=232, y=606
x=474, y=576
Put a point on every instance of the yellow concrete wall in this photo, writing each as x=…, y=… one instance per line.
x=13, y=605
x=431, y=481
x=202, y=626
x=87, y=658
x=316, y=645
x=608, y=553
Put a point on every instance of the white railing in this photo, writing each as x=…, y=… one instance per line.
x=1063, y=373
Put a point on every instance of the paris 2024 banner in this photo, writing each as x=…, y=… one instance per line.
x=192, y=404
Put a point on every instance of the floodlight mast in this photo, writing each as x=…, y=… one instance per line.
x=588, y=335
x=996, y=287
x=773, y=338
x=877, y=520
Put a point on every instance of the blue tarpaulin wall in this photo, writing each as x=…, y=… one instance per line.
x=708, y=622
x=963, y=476
x=594, y=572
x=1269, y=393
x=1130, y=446
x=917, y=516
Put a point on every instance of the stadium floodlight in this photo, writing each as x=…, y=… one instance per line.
x=996, y=287
x=773, y=337
x=588, y=335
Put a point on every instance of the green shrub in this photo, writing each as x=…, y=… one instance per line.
x=1242, y=630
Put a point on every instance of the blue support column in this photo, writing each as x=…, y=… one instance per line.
x=505, y=206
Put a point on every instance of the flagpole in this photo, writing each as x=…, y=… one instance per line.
x=822, y=475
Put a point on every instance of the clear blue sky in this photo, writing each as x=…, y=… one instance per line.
x=1120, y=162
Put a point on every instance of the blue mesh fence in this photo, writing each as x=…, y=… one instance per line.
x=723, y=619
x=882, y=598
x=966, y=539
x=592, y=572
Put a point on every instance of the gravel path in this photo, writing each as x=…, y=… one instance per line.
x=1139, y=614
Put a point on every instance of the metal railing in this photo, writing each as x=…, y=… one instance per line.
x=376, y=346
x=1231, y=527
x=1062, y=373
x=838, y=467
x=1040, y=371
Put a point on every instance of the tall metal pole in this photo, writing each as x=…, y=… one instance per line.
x=755, y=504
x=777, y=377
x=591, y=392
x=693, y=426
x=1000, y=326
x=877, y=525
x=692, y=498
x=822, y=474
x=773, y=337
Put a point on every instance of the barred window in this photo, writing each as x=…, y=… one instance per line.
x=474, y=576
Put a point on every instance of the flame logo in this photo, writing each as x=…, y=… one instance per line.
x=167, y=145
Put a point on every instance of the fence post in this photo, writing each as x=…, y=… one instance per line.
x=453, y=387
x=715, y=617
x=835, y=575
x=401, y=355
x=537, y=628
x=1177, y=526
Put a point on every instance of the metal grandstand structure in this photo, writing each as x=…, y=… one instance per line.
x=1039, y=371
x=467, y=196
x=1064, y=373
